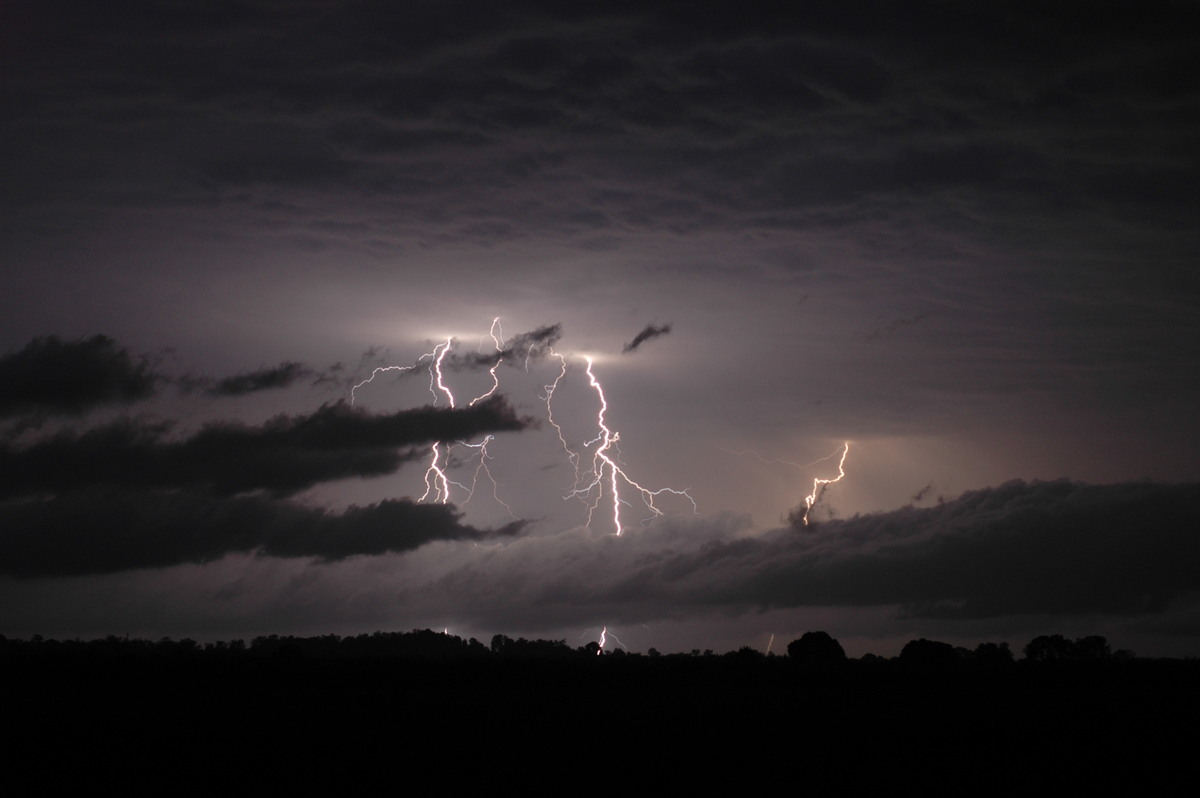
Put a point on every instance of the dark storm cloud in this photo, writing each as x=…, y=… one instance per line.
x=649, y=332
x=1018, y=550
x=264, y=379
x=919, y=138
x=284, y=455
x=95, y=532
x=52, y=376
x=592, y=119
x=1038, y=548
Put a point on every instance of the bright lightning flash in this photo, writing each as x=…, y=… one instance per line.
x=590, y=486
x=819, y=484
x=604, y=463
x=437, y=483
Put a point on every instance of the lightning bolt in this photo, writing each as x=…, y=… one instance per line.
x=617, y=640
x=603, y=463
x=435, y=372
x=603, y=640
x=434, y=355
x=498, y=342
x=605, y=479
x=374, y=374
x=819, y=484
x=549, y=390
x=437, y=482
x=481, y=448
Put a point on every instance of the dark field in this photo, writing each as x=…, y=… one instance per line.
x=315, y=712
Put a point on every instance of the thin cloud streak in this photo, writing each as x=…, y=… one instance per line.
x=647, y=333
x=263, y=379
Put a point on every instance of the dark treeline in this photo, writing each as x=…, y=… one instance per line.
x=814, y=649
x=1062, y=716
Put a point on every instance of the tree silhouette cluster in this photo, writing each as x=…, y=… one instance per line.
x=217, y=713
x=813, y=650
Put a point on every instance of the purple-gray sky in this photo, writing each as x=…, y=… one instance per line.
x=960, y=236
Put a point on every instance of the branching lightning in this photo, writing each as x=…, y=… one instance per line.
x=606, y=468
x=603, y=481
x=437, y=482
x=604, y=638
x=381, y=369
x=819, y=484
x=481, y=448
x=549, y=390
x=374, y=374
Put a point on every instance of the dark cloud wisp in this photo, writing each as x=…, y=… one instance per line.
x=524, y=347
x=649, y=332
x=263, y=379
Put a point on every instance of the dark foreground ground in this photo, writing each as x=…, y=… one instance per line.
x=239, y=723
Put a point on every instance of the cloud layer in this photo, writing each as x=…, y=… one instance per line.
x=283, y=455
x=1022, y=549
x=105, y=531
x=127, y=494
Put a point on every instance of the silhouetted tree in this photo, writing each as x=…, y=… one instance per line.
x=924, y=653
x=1049, y=648
x=816, y=649
x=1092, y=648
x=992, y=654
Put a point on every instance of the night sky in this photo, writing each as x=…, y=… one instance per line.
x=959, y=237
